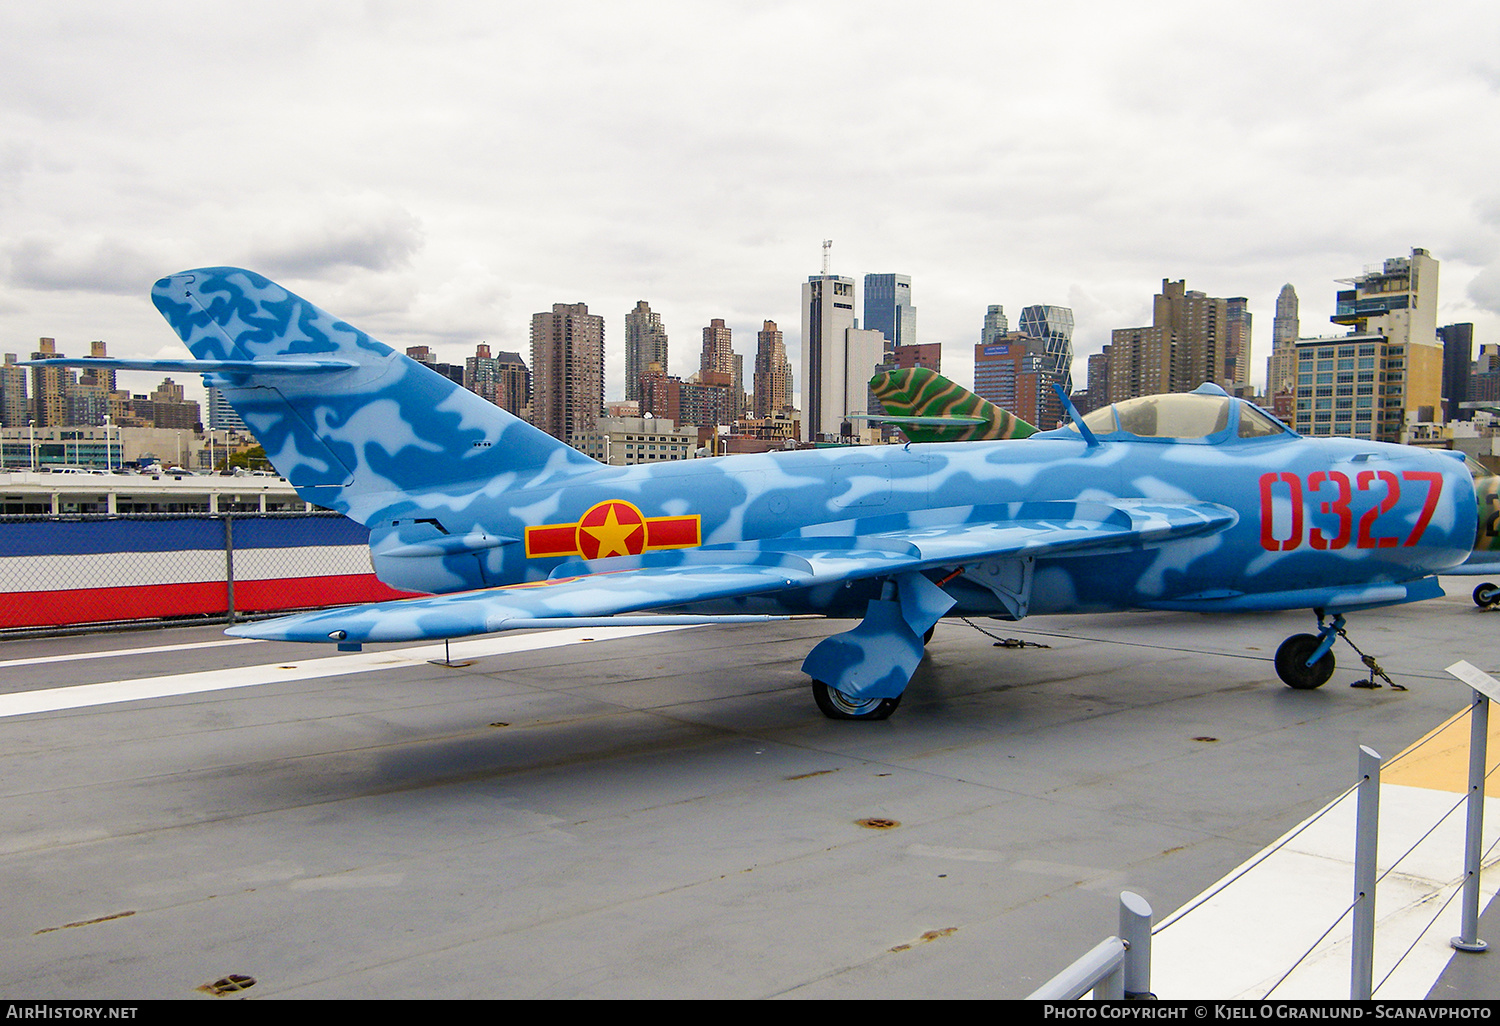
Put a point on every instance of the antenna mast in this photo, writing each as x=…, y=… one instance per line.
x=827, y=245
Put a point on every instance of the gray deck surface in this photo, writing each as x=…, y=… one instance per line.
x=669, y=815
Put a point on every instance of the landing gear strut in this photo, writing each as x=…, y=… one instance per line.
x=1305, y=661
x=862, y=673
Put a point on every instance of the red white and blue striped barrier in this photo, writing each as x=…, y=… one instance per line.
x=64, y=572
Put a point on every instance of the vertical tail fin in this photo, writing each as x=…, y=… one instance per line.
x=919, y=392
x=360, y=426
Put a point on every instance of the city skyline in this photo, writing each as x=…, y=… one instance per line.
x=371, y=156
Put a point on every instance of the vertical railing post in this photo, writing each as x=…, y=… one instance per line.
x=1486, y=689
x=1135, y=931
x=229, y=560
x=1366, y=828
x=1479, y=720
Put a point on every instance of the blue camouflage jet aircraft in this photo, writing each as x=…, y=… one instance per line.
x=1196, y=502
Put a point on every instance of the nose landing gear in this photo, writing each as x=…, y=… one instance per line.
x=1305, y=661
x=1297, y=665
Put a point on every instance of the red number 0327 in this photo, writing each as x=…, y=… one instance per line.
x=1332, y=495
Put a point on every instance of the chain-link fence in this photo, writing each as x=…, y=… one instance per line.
x=63, y=571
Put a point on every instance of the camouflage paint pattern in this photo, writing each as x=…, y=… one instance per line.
x=920, y=392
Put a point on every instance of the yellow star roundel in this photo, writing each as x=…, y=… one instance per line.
x=613, y=528
x=622, y=532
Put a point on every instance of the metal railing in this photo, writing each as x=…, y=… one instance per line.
x=1115, y=968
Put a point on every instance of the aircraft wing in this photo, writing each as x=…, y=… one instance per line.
x=868, y=547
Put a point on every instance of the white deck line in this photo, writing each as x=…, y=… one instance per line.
x=80, y=696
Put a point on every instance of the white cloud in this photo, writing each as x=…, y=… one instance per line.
x=447, y=170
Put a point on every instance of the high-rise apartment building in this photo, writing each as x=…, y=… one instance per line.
x=889, y=309
x=49, y=402
x=87, y=397
x=1397, y=298
x=1200, y=325
x=1015, y=372
x=1237, y=351
x=1186, y=344
x=221, y=416
x=1054, y=326
x=567, y=369
x=706, y=403
x=169, y=407
x=1098, y=392
x=718, y=357
x=773, y=373
x=645, y=344
x=1366, y=383
x=502, y=379
x=718, y=348
x=1281, y=366
x=15, y=411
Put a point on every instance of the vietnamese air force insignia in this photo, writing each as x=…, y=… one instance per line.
x=613, y=528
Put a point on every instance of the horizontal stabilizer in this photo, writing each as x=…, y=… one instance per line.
x=921, y=421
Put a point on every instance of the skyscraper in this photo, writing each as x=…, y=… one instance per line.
x=1237, y=350
x=567, y=368
x=1054, y=326
x=14, y=409
x=645, y=344
x=502, y=380
x=889, y=310
x=827, y=317
x=48, y=384
x=1398, y=301
x=1458, y=347
x=221, y=416
x=1015, y=373
x=773, y=372
x=718, y=348
x=1186, y=345
x=1364, y=384
x=1281, y=367
x=995, y=325
x=1286, y=327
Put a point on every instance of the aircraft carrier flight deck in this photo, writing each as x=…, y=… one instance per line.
x=663, y=812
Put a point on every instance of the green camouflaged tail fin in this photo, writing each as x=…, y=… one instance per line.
x=919, y=392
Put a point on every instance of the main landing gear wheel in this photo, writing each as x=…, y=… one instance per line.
x=1486, y=595
x=838, y=706
x=1291, y=663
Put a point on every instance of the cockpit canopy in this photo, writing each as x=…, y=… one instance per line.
x=1208, y=415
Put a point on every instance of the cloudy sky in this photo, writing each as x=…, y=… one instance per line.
x=437, y=172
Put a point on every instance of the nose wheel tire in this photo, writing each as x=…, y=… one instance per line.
x=838, y=706
x=1291, y=663
x=1486, y=595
